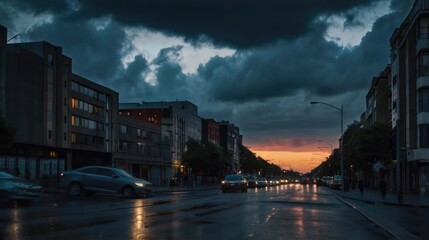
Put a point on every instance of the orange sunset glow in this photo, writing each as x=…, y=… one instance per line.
x=298, y=161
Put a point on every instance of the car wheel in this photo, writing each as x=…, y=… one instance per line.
x=75, y=189
x=128, y=192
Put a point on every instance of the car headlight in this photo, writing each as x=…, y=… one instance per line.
x=138, y=184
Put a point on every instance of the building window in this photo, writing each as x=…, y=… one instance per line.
x=50, y=60
x=123, y=129
x=423, y=28
x=423, y=64
x=49, y=134
x=424, y=100
x=424, y=135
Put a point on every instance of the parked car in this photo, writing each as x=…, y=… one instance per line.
x=15, y=188
x=234, y=183
x=252, y=182
x=262, y=182
x=98, y=179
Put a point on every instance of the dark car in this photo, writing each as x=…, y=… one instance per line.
x=98, y=179
x=14, y=188
x=262, y=181
x=252, y=182
x=336, y=183
x=273, y=181
x=234, y=183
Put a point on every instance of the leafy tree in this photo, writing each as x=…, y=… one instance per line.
x=196, y=157
x=218, y=160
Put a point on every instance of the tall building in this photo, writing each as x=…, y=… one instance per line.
x=62, y=120
x=179, y=120
x=378, y=100
x=210, y=131
x=410, y=98
x=230, y=140
x=141, y=150
x=93, y=122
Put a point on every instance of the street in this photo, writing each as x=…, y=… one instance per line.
x=292, y=211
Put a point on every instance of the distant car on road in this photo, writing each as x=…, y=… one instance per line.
x=234, y=183
x=262, y=182
x=336, y=182
x=98, y=179
x=252, y=182
x=15, y=188
x=273, y=181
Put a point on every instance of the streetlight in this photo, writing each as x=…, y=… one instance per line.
x=341, y=140
x=327, y=143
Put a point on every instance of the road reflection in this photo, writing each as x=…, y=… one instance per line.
x=15, y=227
x=139, y=227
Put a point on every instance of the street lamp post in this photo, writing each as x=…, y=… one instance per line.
x=341, y=140
x=327, y=143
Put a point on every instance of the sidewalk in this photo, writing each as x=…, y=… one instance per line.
x=374, y=196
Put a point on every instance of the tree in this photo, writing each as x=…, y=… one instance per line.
x=196, y=156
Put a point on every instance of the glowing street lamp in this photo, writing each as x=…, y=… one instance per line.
x=341, y=140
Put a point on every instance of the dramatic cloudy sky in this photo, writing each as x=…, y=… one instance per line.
x=255, y=63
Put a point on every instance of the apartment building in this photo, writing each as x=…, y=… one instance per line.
x=63, y=121
x=410, y=98
x=230, y=140
x=210, y=131
x=93, y=123
x=141, y=150
x=179, y=121
x=378, y=100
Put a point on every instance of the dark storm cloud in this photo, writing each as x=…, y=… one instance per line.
x=238, y=24
x=96, y=53
x=129, y=82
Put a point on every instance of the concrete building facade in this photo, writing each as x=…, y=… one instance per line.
x=410, y=98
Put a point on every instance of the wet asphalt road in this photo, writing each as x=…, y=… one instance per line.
x=282, y=212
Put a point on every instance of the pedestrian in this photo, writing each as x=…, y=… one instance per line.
x=383, y=188
x=360, y=186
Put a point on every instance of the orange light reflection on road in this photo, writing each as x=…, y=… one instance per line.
x=138, y=227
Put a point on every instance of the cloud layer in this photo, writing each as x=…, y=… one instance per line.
x=280, y=60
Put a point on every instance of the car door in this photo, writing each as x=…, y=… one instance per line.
x=108, y=181
x=89, y=178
